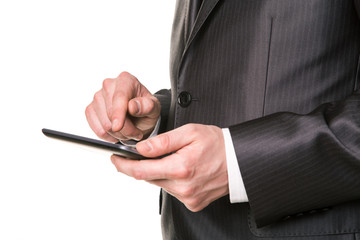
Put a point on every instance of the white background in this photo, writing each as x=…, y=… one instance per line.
x=54, y=56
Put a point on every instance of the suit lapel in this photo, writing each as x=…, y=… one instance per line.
x=204, y=12
x=180, y=42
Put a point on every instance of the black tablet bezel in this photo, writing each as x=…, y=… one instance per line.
x=115, y=148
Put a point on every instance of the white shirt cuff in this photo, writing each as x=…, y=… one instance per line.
x=237, y=190
x=156, y=128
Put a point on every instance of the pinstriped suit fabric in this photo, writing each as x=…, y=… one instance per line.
x=256, y=74
x=282, y=74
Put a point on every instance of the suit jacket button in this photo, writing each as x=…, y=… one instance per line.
x=184, y=99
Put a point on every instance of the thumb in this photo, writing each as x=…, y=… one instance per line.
x=164, y=143
x=144, y=107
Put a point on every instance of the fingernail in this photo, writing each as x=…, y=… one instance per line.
x=137, y=106
x=138, y=137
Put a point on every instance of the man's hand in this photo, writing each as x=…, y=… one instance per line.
x=196, y=171
x=123, y=109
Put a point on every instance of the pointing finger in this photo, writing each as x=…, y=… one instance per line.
x=96, y=126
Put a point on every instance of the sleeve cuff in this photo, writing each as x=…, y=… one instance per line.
x=237, y=190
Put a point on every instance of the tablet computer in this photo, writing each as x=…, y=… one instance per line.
x=115, y=148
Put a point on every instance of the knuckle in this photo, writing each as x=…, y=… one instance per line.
x=192, y=130
x=101, y=133
x=164, y=141
x=127, y=78
x=197, y=209
x=107, y=127
x=124, y=74
x=97, y=96
x=187, y=192
x=184, y=172
x=193, y=204
x=193, y=209
x=191, y=127
x=107, y=84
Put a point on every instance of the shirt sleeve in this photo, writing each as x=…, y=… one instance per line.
x=237, y=190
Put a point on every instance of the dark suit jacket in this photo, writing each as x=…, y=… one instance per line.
x=283, y=75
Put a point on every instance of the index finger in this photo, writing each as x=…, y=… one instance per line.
x=120, y=120
x=119, y=110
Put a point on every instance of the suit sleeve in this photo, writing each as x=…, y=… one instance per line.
x=293, y=163
x=164, y=97
x=296, y=163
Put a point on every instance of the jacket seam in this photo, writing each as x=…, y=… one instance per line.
x=357, y=76
x=267, y=65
